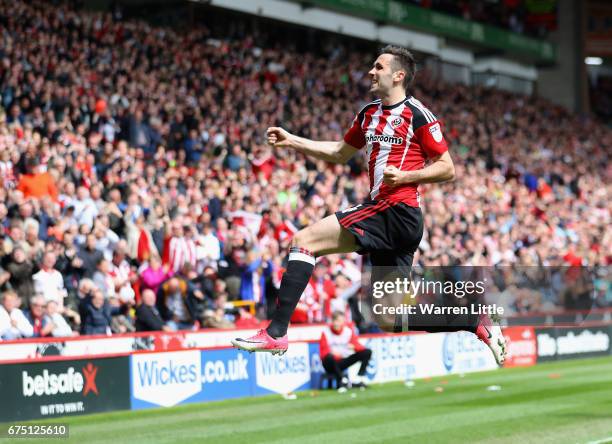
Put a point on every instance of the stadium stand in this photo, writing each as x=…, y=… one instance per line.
x=519, y=16
x=132, y=157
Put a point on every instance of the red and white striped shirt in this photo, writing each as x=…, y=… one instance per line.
x=182, y=250
x=403, y=135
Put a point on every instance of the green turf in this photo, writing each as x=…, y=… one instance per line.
x=567, y=402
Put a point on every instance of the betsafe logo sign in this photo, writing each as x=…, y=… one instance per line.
x=166, y=379
x=286, y=373
x=70, y=381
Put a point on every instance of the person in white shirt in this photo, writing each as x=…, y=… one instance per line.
x=13, y=323
x=208, y=247
x=49, y=282
x=85, y=209
x=60, y=326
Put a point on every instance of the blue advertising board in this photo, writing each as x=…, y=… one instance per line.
x=173, y=378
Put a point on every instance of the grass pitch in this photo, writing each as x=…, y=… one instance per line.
x=566, y=402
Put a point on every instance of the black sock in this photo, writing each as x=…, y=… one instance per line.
x=468, y=322
x=435, y=323
x=299, y=269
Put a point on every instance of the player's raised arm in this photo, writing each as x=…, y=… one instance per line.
x=331, y=151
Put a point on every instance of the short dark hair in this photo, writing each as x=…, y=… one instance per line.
x=402, y=60
x=336, y=314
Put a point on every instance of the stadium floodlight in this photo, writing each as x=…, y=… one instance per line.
x=593, y=60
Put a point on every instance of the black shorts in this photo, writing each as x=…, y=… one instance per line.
x=390, y=231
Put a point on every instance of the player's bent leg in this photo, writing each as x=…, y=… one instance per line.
x=331, y=367
x=324, y=237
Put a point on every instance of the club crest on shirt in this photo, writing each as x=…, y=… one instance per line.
x=436, y=132
x=396, y=122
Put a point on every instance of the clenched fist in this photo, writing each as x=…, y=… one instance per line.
x=393, y=176
x=278, y=137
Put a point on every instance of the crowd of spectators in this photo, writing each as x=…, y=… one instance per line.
x=138, y=192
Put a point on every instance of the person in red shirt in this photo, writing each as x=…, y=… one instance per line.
x=37, y=184
x=339, y=348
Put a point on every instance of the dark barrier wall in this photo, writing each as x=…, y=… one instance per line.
x=55, y=389
x=569, y=343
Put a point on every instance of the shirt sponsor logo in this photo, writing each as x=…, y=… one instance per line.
x=384, y=138
x=436, y=132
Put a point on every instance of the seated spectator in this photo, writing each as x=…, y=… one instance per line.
x=36, y=317
x=90, y=255
x=121, y=321
x=4, y=279
x=69, y=264
x=97, y=314
x=13, y=323
x=15, y=237
x=340, y=348
x=235, y=159
x=85, y=209
x=123, y=276
x=58, y=324
x=103, y=279
x=106, y=239
x=32, y=245
x=177, y=304
x=85, y=289
x=154, y=274
x=49, y=282
x=20, y=270
x=218, y=315
x=147, y=314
